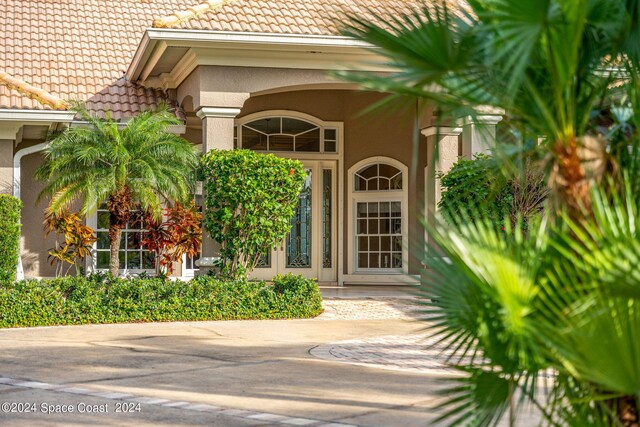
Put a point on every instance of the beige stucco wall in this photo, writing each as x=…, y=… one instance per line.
x=34, y=246
x=372, y=134
x=6, y=166
x=217, y=86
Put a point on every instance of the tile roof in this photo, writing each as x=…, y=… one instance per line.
x=77, y=50
x=14, y=91
x=67, y=50
x=315, y=17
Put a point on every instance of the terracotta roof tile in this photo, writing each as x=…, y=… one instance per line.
x=79, y=49
x=74, y=49
x=317, y=17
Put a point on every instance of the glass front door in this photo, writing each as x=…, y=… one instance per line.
x=310, y=247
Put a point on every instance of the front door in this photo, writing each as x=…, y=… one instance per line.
x=310, y=247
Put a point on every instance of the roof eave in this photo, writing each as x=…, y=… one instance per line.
x=206, y=38
x=36, y=116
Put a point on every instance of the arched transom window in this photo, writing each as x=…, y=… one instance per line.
x=288, y=134
x=378, y=177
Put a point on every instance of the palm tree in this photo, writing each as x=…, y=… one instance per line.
x=560, y=301
x=136, y=165
x=547, y=63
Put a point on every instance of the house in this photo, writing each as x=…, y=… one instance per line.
x=240, y=73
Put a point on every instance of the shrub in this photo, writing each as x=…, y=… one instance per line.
x=96, y=299
x=477, y=190
x=180, y=234
x=10, y=208
x=249, y=199
x=77, y=240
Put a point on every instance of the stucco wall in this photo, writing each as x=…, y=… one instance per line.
x=373, y=134
x=35, y=247
x=6, y=166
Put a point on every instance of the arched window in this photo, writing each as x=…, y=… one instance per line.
x=287, y=134
x=379, y=218
x=378, y=177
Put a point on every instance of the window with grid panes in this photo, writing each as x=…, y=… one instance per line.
x=379, y=223
x=132, y=255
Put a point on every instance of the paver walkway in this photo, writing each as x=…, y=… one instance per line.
x=418, y=353
x=410, y=353
x=371, y=309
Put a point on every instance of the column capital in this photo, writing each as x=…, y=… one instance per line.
x=441, y=130
x=481, y=119
x=217, y=112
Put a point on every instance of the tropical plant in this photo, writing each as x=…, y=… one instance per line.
x=560, y=301
x=178, y=235
x=76, y=244
x=249, y=199
x=558, y=305
x=480, y=188
x=548, y=63
x=136, y=163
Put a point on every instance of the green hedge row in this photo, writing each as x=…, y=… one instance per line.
x=10, y=208
x=80, y=300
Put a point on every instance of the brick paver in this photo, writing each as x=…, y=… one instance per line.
x=413, y=353
x=371, y=309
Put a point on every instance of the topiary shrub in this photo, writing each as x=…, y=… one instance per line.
x=476, y=189
x=10, y=208
x=249, y=201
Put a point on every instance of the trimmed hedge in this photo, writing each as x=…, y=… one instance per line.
x=94, y=299
x=10, y=208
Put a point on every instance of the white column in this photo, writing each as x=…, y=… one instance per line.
x=442, y=154
x=217, y=127
x=479, y=134
x=217, y=133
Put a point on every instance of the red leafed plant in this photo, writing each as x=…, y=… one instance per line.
x=77, y=240
x=180, y=234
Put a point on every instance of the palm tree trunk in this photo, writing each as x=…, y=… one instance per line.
x=119, y=206
x=569, y=180
x=115, y=233
x=628, y=413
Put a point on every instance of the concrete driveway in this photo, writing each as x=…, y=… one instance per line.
x=236, y=373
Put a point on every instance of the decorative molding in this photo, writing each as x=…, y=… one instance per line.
x=9, y=131
x=153, y=59
x=441, y=131
x=484, y=119
x=217, y=112
x=228, y=48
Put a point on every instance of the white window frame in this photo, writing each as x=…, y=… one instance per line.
x=191, y=272
x=323, y=125
x=376, y=275
x=92, y=262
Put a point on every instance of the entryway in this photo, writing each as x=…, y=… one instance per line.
x=310, y=247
